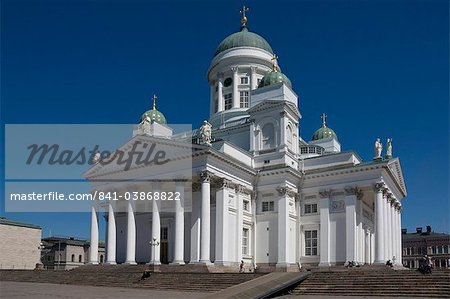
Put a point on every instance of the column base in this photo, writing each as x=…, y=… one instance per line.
x=111, y=263
x=379, y=263
x=177, y=263
x=93, y=263
x=130, y=263
x=154, y=263
x=205, y=262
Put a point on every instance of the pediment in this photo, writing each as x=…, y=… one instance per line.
x=396, y=171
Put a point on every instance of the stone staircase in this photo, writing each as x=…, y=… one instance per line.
x=375, y=281
x=171, y=278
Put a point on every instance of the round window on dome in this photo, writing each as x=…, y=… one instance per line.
x=227, y=82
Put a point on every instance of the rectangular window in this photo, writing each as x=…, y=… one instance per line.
x=228, y=101
x=304, y=150
x=245, y=233
x=268, y=206
x=445, y=249
x=164, y=233
x=244, y=80
x=311, y=208
x=258, y=81
x=246, y=205
x=310, y=242
x=433, y=249
x=244, y=99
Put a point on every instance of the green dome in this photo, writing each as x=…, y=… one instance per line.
x=155, y=116
x=274, y=77
x=323, y=133
x=243, y=38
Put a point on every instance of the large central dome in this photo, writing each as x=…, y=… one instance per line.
x=243, y=38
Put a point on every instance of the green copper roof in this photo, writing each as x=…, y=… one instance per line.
x=323, y=133
x=243, y=38
x=155, y=116
x=274, y=77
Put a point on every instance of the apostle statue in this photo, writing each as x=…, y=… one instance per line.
x=389, y=148
x=96, y=157
x=378, y=148
x=145, y=124
x=205, y=132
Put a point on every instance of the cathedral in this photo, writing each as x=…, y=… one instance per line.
x=256, y=191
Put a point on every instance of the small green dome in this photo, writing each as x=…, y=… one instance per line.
x=274, y=77
x=155, y=116
x=324, y=133
x=243, y=38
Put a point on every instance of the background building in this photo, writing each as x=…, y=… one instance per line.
x=64, y=253
x=416, y=245
x=20, y=244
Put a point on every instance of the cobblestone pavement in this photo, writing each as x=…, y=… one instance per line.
x=27, y=290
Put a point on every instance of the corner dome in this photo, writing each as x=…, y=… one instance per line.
x=274, y=77
x=155, y=116
x=324, y=133
x=243, y=38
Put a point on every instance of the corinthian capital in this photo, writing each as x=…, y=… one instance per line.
x=205, y=176
x=282, y=191
x=379, y=187
x=324, y=193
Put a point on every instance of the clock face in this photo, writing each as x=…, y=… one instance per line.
x=227, y=82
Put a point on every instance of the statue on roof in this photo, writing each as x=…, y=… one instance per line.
x=205, y=132
x=378, y=148
x=389, y=148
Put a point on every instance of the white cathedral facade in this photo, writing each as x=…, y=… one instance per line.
x=260, y=192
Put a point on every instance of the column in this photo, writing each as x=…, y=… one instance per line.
x=391, y=228
x=395, y=231
x=179, y=225
x=93, y=248
x=400, y=258
x=111, y=250
x=372, y=247
x=131, y=235
x=156, y=230
x=195, y=226
x=350, y=224
x=360, y=231
x=220, y=103
x=379, y=224
x=253, y=79
x=240, y=220
x=283, y=228
x=236, y=98
x=324, y=203
x=222, y=224
x=367, y=247
x=205, y=218
x=212, y=100
x=386, y=226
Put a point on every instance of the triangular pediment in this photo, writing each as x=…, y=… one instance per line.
x=396, y=171
x=274, y=104
x=173, y=150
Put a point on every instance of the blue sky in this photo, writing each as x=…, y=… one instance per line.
x=377, y=68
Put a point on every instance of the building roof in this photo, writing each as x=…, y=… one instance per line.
x=5, y=221
x=243, y=38
x=68, y=241
x=274, y=77
x=412, y=236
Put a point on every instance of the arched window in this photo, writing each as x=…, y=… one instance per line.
x=80, y=258
x=73, y=258
x=289, y=136
x=268, y=136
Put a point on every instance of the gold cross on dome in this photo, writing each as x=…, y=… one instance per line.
x=274, y=62
x=154, y=101
x=244, y=17
x=324, y=119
